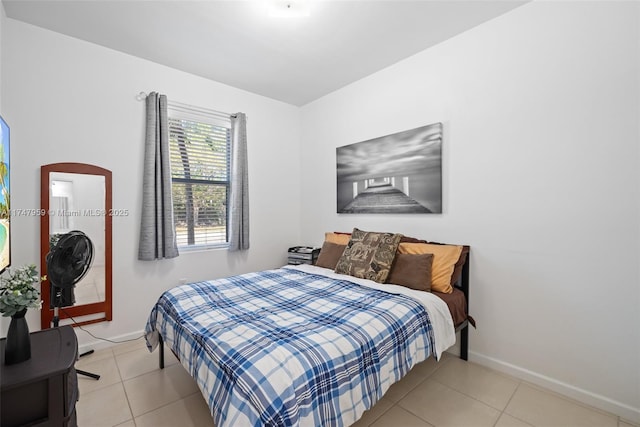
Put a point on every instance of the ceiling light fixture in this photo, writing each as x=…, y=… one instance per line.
x=288, y=8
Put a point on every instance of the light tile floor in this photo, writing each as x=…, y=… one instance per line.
x=133, y=391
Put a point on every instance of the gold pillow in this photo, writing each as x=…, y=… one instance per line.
x=445, y=258
x=369, y=255
x=337, y=238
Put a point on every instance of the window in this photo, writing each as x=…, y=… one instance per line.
x=200, y=148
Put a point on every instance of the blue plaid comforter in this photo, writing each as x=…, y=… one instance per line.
x=289, y=348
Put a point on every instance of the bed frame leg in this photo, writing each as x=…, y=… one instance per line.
x=464, y=343
x=464, y=333
x=161, y=356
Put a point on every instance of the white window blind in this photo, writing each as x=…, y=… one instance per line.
x=200, y=156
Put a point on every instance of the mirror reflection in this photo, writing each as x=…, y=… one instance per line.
x=76, y=202
x=77, y=197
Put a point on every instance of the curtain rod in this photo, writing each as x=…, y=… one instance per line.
x=179, y=105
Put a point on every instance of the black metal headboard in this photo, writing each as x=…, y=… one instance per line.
x=463, y=285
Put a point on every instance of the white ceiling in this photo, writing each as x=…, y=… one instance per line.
x=295, y=60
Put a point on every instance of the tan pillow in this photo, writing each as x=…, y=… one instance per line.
x=329, y=255
x=338, y=238
x=445, y=258
x=457, y=271
x=412, y=271
x=369, y=255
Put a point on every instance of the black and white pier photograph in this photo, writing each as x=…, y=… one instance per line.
x=397, y=173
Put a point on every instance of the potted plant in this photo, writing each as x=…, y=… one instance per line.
x=18, y=292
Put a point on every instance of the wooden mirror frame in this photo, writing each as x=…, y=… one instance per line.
x=81, y=310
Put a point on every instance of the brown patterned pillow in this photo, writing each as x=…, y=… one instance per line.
x=369, y=255
x=412, y=271
x=329, y=255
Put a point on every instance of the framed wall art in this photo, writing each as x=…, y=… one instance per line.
x=397, y=173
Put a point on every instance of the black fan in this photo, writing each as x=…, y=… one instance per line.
x=67, y=263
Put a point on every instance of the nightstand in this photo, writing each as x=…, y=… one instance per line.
x=302, y=255
x=43, y=390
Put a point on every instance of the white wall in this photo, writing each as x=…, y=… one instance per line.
x=541, y=170
x=72, y=101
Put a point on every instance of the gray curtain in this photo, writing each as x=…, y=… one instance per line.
x=157, y=231
x=239, y=217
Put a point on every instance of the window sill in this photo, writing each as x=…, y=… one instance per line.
x=201, y=248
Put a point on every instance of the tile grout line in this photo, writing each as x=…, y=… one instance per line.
x=539, y=389
x=439, y=365
x=166, y=404
x=444, y=385
x=474, y=398
x=507, y=405
x=163, y=405
x=121, y=381
x=568, y=399
x=126, y=395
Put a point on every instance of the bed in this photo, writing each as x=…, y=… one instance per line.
x=303, y=345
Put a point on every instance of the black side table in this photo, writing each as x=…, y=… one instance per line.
x=43, y=390
x=302, y=255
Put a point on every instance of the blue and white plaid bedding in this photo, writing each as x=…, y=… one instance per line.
x=289, y=348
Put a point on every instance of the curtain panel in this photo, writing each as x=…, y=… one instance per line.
x=157, y=230
x=239, y=215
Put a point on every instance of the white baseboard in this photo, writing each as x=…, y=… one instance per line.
x=100, y=344
x=603, y=403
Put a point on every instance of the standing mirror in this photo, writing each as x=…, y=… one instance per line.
x=77, y=197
